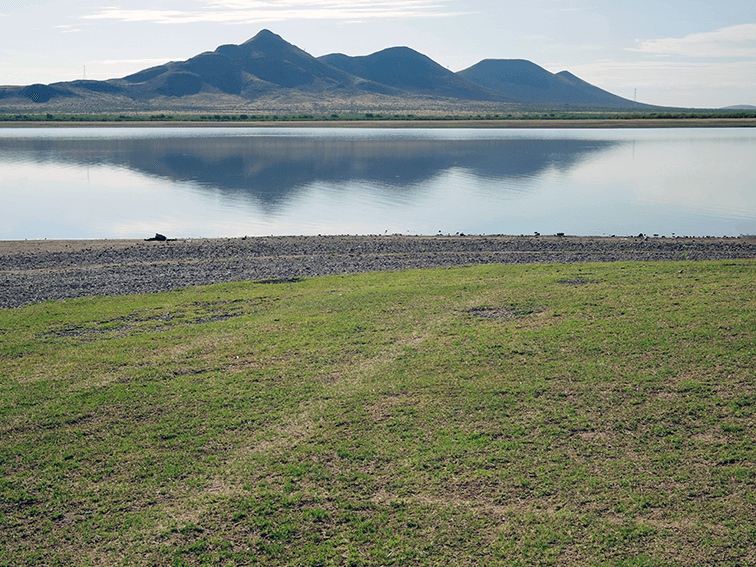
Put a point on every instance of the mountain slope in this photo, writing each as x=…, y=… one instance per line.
x=527, y=81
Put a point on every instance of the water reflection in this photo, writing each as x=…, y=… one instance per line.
x=132, y=182
x=275, y=170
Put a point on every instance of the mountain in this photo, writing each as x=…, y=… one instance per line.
x=267, y=72
x=262, y=64
x=406, y=69
x=527, y=81
x=264, y=67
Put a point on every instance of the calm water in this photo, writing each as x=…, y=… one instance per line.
x=194, y=182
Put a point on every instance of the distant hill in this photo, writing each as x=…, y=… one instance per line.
x=739, y=107
x=268, y=72
x=527, y=81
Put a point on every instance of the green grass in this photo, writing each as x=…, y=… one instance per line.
x=593, y=414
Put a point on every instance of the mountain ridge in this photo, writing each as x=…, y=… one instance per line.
x=266, y=71
x=526, y=80
x=406, y=69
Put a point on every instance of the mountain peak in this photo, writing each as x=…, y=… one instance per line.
x=266, y=38
x=265, y=34
x=268, y=44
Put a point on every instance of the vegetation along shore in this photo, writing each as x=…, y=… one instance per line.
x=547, y=119
x=507, y=401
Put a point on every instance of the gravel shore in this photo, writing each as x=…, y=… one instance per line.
x=32, y=271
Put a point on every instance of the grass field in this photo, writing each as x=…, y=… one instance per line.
x=583, y=414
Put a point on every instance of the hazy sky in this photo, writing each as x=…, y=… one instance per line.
x=693, y=53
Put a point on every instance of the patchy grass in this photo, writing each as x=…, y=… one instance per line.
x=592, y=414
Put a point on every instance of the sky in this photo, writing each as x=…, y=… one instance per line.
x=684, y=53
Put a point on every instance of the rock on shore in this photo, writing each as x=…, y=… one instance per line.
x=39, y=270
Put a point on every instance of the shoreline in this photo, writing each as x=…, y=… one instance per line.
x=15, y=246
x=588, y=123
x=33, y=271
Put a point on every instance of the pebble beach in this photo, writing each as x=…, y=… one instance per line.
x=34, y=271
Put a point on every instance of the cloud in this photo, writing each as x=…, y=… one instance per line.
x=733, y=41
x=701, y=84
x=661, y=74
x=261, y=11
x=67, y=29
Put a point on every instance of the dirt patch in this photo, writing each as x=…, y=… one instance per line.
x=502, y=312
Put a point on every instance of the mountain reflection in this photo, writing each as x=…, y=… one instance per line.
x=272, y=170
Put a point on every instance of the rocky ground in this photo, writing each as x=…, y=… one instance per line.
x=38, y=270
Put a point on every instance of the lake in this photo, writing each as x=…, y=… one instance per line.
x=207, y=182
